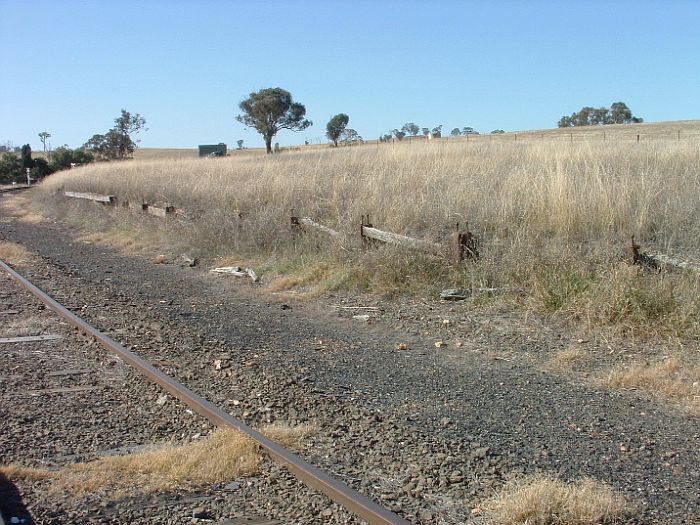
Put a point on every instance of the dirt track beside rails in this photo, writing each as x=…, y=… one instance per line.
x=430, y=432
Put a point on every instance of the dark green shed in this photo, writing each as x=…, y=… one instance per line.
x=212, y=150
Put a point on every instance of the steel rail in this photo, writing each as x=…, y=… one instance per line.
x=312, y=476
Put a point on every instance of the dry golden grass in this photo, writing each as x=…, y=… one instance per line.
x=647, y=131
x=224, y=455
x=165, y=153
x=32, y=325
x=15, y=472
x=14, y=253
x=127, y=242
x=541, y=500
x=160, y=259
x=564, y=361
x=551, y=216
x=19, y=205
x=675, y=378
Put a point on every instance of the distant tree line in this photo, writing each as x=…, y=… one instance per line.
x=456, y=132
x=13, y=168
x=618, y=113
x=117, y=143
x=410, y=129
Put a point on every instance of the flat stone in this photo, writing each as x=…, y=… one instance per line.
x=202, y=513
x=454, y=294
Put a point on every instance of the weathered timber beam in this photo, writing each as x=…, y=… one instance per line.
x=305, y=221
x=394, y=238
x=159, y=212
x=139, y=206
x=105, y=199
x=677, y=263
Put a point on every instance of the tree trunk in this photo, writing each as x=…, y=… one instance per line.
x=268, y=144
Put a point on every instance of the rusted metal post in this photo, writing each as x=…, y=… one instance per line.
x=365, y=223
x=295, y=224
x=631, y=253
x=463, y=245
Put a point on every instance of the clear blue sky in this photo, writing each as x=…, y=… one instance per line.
x=69, y=67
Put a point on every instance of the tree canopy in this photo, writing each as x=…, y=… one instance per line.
x=336, y=126
x=410, y=128
x=350, y=137
x=618, y=113
x=117, y=143
x=270, y=110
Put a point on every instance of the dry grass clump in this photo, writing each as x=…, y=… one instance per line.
x=634, y=301
x=121, y=240
x=15, y=472
x=542, y=500
x=566, y=360
x=224, y=455
x=29, y=325
x=14, y=253
x=672, y=378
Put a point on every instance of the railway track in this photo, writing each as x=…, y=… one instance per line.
x=336, y=490
x=429, y=434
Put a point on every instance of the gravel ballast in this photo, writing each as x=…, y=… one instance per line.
x=430, y=432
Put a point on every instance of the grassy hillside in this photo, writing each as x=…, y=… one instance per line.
x=552, y=215
x=664, y=131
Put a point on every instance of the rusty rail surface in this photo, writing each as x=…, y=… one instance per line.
x=312, y=476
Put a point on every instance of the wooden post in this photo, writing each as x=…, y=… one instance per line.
x=637, y=138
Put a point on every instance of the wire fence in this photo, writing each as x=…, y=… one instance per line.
x=580, y=135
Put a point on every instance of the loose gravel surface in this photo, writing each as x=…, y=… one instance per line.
x=429, y=432
x=67, y=400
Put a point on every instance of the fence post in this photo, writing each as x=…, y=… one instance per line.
x=463, y=245
x=364, y=221
x=295, y=224
x=637, y=138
